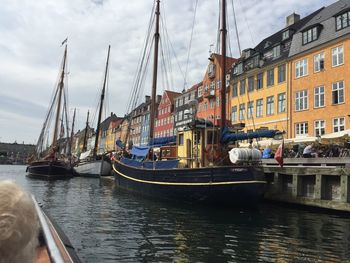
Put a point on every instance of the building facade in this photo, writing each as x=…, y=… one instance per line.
x=320, y=75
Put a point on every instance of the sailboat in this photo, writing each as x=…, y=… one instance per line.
x=240, y=182
x=90, y=164
x=52, y=164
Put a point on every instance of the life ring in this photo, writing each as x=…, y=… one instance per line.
x=212, y=152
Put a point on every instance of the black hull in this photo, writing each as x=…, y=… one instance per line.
x=49, y=170
x=229, y=185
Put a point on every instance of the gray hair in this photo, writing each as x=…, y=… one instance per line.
x=19, y=225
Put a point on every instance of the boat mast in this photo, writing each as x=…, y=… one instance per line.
x=71, y=135
x=155, y=72
x=101, y=105
x=223, y=66
x=85, y=133
x=60, y=86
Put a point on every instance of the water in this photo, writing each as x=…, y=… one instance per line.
x=105, y=224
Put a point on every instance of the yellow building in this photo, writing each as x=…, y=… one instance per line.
x=320, y=74
x=260, y=81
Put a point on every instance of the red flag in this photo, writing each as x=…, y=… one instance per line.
x=279, y=154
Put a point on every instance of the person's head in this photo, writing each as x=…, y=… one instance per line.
x=19, y=225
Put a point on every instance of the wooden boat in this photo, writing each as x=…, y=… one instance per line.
x=54, y=246
x=95, y=166
x=53, y=166
x=216, y=182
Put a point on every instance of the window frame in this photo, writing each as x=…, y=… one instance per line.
x=259, y=107
x=339, y=125
x=338, y=90
x=319, y=127
x=318, y=95
x=301, y=96
x=305, y=129
x=335, y=53
x=270, y=105
x=281, y=103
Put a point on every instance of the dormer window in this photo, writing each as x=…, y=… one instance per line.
x=267, y=44
x=211, y=70
x=285, y=35
x=276, y=51
x=342, y=20
x=311, y=35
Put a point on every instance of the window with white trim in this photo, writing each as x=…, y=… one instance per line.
x=301, y=68
x=319, y=97
x=342, y=20
x=200, y=90
x=241, y=111
x=301, y=129
x=319, y=62
x=301, y=100
x=338, y=92
x=310, y=35
x=281, y=103
x=337, y=56
x=338, y=124
x=259, y=107
x=320, y=128
x=250, y=108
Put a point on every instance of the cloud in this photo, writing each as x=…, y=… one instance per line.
x=31, y=33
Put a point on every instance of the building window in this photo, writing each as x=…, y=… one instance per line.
x=250, y=84
x=301, y=129
x=301, y=68
x=200, y=90
x=212, y=104
x=338, y=124
x=241, y=111
x=310, y=35
x=205, y=106
x=259, y=108
x=242, y=87
x=319, y=62
x=217, y=101
x=212, y=85
x=259, y=81
x=281, y=73
x=342, y=20
x=338, y=92
x=320, y=128
x=199, y=109
x=250, y=108
x=218, y=84
x=319, y=97
x=234, y=90
x=206, y=87
x=270, y=77
x=270, y=105
x=301, y=100
x=276, y=51
x=227, y=80
x=337, y=56
x=181, y=139
x=285, y=35
x=234, y=114
x=281, y=104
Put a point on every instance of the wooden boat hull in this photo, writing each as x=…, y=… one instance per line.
x=49, y=170
x=94, y=168
x=229, y=185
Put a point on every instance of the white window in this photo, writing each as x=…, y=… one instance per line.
x=319, y=97
x=338, y=124
x=227, y=80
x=301, y=129
x=338, y=92
x=217, y=101
x=281, y=103
x=259, y=108
x=337, y=56
x=301, y=102
x=200, y=90
x=241, y=111
x=270, y=105
x=301, y=68
x=212, y=85
x=180, y=115
x=276, y=51
x=250, y=108
x=234, y=114
x=320, y=127
x=319, y=62
x=211, y=104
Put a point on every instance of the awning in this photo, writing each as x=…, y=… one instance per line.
x=335, y=135
x=162, y=141
x=140, y=151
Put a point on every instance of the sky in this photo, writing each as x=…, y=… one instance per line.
x=31, y=33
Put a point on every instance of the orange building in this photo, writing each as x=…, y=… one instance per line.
x=320, y=75
x=209, y=99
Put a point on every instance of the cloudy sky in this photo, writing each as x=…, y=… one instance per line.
x=31, y=32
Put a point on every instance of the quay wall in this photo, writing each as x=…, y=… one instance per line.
x=318, y=182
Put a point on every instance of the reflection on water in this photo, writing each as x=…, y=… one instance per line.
x=108, y=225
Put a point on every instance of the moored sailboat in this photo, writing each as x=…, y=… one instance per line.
x=90, y=164
x=52, y=164
x=215, y=181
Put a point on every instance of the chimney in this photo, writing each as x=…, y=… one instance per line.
x=159, y=98
x=147, y=98
x=292, y=19
x=111, y=113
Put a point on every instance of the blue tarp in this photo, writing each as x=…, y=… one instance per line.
x=140, y=151
x=162, y=141
x=119, y=143
x=227, y=136
x=167, y=164
x=131, y=162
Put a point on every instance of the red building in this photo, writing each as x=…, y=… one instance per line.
x=209, y=106
x=164, y=125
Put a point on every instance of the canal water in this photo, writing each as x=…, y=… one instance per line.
x=105, y=224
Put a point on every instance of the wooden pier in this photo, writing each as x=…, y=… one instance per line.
x=318, y=182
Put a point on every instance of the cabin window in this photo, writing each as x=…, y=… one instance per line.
x=212, y=137
x=181, y=139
